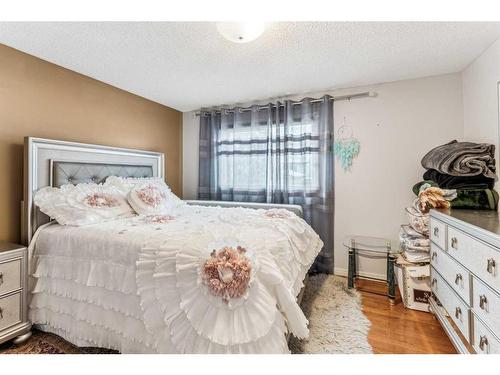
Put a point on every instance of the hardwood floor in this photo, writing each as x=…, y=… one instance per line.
x=396, y=330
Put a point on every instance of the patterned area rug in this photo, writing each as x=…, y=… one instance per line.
x=337, y=325
x=48, y=343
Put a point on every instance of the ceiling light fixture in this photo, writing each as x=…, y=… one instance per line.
x=241, y=32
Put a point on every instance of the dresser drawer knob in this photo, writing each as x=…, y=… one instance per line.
x=1, y=313
x=434, y=281
x=434, y=255
x=483, y=342
x=1, y=278
x=458, y=278
x=454, y=243
x=458, y=312
x=436, y=232
x=491, y=265
x=482, y=301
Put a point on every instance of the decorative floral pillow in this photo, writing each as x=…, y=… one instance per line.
x=82, y=204
x=153, y=198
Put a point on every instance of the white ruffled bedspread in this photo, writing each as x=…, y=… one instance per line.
x=137, y=287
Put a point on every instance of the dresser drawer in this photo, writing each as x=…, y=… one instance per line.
x=10, y=310
x=486, y=305
x=10, y=276
x=477, y=256
x=484, y=341
x=438, y=233
x=452, y=271
x=456, y=308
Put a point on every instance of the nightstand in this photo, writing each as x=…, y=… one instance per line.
x=14, y=322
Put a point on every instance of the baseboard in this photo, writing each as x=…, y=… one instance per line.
x=343, y=272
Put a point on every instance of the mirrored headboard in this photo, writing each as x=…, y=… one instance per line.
x=50, y=162
x=71, y=172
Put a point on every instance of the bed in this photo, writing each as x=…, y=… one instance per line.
x=134, y=286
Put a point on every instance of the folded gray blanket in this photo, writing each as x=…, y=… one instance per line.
x=462, y=159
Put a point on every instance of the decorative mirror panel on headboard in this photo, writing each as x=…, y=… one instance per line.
x=67, y=172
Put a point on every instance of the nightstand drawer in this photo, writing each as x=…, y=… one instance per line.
x=10, y=276
x=10, y=310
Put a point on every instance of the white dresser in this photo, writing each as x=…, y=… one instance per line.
x=465, y=277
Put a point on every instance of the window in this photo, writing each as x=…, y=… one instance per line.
x=252, y=157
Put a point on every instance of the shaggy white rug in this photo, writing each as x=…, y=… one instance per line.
x=336, y=323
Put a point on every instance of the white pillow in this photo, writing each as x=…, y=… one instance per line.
x=153, y=198
x=82, y=204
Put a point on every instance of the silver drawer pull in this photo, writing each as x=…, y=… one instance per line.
x=436, y=232
x=458, y=278
x=434, y=255
x=1, y=313
x=458, y=312
x=483, y=342
x=482, y=301
x=454, y=243
x=434, y=281
x=1, y=278
x=491, y=265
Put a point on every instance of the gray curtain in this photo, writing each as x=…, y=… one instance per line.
x=278, y=154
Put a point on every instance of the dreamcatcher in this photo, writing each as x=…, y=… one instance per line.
x=346, y=146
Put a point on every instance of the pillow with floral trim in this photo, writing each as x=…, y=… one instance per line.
x=83, y=204
x=126, y=184
x=153, y=198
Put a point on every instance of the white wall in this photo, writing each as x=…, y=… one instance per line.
x=395, y=129
x=190, y=138
x=480, y=97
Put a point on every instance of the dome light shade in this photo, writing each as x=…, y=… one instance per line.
x=241, y=32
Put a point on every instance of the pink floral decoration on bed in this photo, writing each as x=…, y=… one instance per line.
x=227, y=273
x=277, y=214
x=151, y=195
x=158, y=219
x=99, y=200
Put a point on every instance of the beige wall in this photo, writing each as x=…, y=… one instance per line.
x=41, y=99
x=395, y=129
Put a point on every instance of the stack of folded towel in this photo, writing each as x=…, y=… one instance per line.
x=412, y=265
x=469, y=168
x=415, y=246
x=414, y=237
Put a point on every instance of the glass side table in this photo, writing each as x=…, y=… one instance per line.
x=372, y=247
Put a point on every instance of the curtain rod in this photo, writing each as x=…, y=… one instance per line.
x=364, y=94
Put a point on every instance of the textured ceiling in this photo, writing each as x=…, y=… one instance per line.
x=188, y=65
